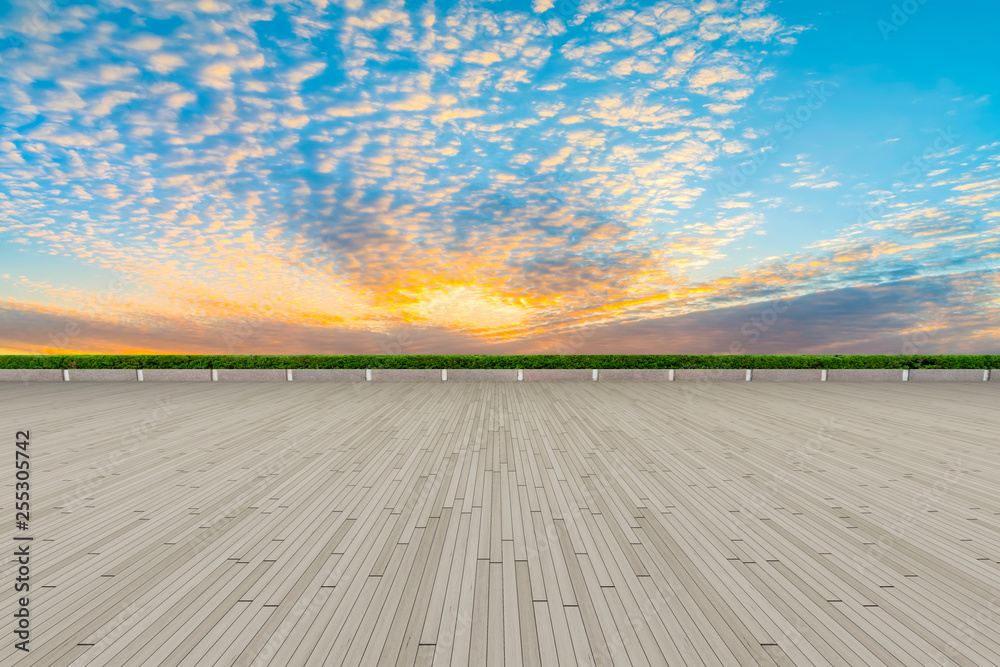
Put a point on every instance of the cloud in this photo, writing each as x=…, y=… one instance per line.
x=481, y=57
x=710, y=76
x=65, y=100
x=116, y=73
x=758, y=28
x=723, y=109
x=362, y=109
x=110, y=191
x=377, y=18
x=457, y=113
x=557, y=159
x=439, y=60
x=418, y=102
x=295, y=77
x=111, y=99
x=296, y=122
x=394, y=168
x=217, y=75
x=145, y=42
x=164, y=63
x=179, y=100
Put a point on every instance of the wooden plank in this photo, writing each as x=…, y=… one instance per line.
x=537, y=524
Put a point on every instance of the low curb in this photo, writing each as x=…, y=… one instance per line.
x=176, y=375
x=101, y=375
x=405, y=374
x=500, y=375
x=482, y=375
x=787, y=375
x=635, y=374
x=31, y=375
x=557, y=374
x=946, y=374
x=251, y=374
x=328, y=375
x=712, y=374
x=865, y=375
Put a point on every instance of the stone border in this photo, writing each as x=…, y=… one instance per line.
x=252, y=375
x=787, y=375
x=30, y=375
x=635, y=375
x=558, y=374
x=176, y=375
x=328, y=375
x=712, y=374
x=482, y=374
x=865, y=375
x=405, y=374
x=102, y=375
x=499, y=374
x=947, y=374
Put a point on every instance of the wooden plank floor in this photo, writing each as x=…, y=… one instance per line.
x=534, y=524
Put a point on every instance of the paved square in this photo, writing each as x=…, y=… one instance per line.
x=508, y=523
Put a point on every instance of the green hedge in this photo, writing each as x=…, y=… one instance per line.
x=512, y=361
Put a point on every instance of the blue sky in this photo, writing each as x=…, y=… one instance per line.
x=499, y=177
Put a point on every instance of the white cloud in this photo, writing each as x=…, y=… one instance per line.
x=109, y=191
x=723, y=109
x=810, y=183
x=710, y=76
x=64, y=100
x=296, y=76
x=481, y=57
x=145, y=42
x=217, y=75
x=417, y=102
x=178, y=100
x=757, y=28
x=103, y=106
x=212, y=7
x=558, y=158
x=362, y=109
x=164, y=63
x=115, y=73
x=438, y=59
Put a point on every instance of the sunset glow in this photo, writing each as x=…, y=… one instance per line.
x=490, y=177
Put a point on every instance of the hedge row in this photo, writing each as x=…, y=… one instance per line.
x=492, y=361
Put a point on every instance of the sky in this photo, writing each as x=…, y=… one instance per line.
x=499, y=177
